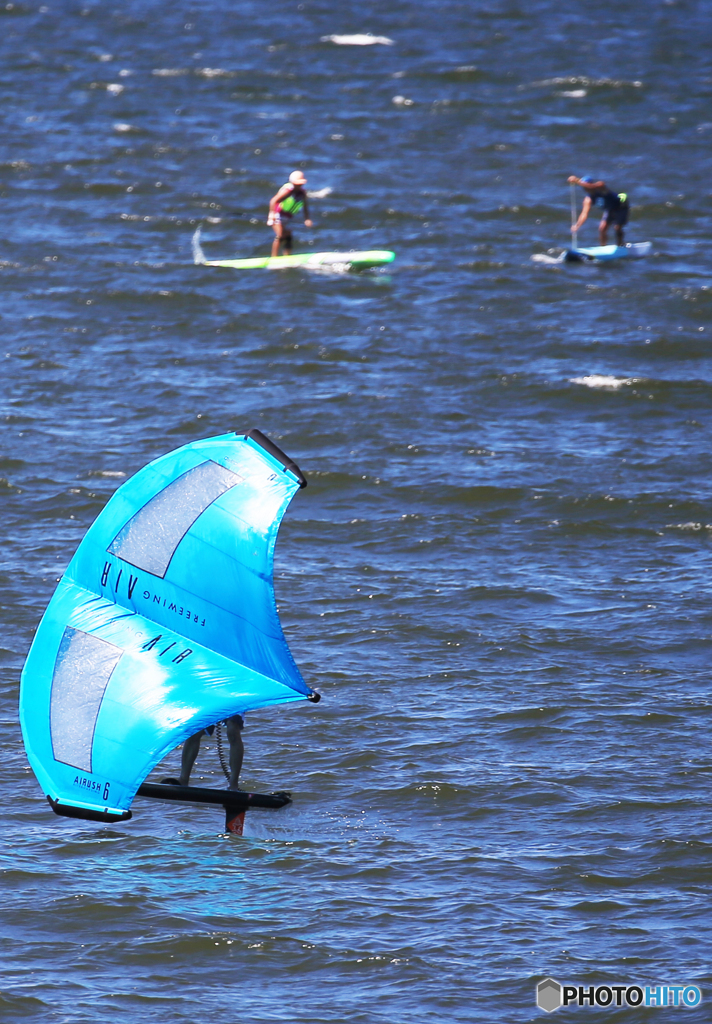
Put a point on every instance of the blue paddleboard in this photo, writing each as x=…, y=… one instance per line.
x=604, y=253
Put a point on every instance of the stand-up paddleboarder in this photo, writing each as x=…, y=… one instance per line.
x=615, y=207
x=290, y=200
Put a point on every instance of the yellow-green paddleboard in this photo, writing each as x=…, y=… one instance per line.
x=337, y=260
x=352, y=260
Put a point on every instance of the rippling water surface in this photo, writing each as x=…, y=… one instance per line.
x=498, y=576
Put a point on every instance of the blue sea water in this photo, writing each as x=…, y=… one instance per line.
x=498, y=576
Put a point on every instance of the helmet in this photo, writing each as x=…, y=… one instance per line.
x=297, y=178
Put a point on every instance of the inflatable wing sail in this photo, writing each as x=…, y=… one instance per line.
x=164, y=623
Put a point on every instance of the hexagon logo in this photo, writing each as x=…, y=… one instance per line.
x=548, y=995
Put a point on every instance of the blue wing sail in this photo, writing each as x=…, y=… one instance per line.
x=164, y=622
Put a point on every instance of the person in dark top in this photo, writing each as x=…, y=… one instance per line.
x=615, y=207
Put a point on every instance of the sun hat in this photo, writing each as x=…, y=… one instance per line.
x=297, y=178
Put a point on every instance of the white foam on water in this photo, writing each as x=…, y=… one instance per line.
x=402, y=101
x=611, y=83
x=214, y=73
x=359, y=39
x=321, y=193
x=328, y=268
x=169, y=72
x=123, y=126
x=542, y=257
x=600, y=380
x=574, y=94
x=115, y=89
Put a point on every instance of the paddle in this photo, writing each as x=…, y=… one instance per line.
x=573, y=214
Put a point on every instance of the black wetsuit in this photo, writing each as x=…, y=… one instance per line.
x=615, y=206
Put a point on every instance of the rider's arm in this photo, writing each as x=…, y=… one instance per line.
x=573, y=180
x=585, y=210
x=282, y=194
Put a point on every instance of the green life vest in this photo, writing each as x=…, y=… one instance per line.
x=290, y=205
